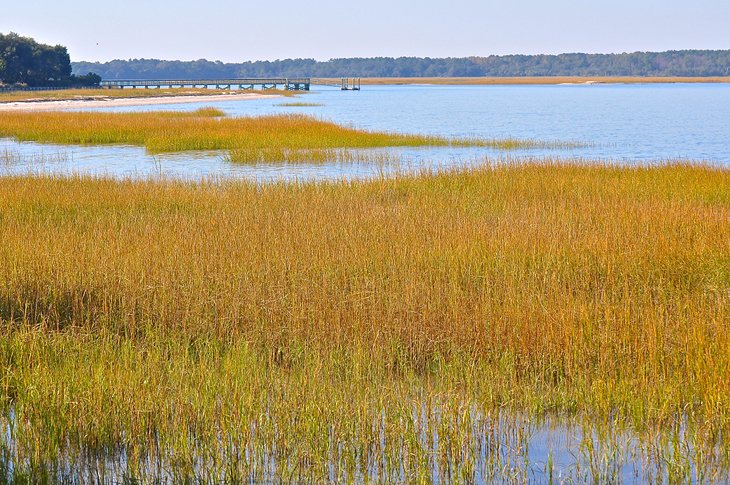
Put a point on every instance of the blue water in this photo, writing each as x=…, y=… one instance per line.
x=629, y=123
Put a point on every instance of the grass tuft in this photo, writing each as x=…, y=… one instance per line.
x=209, y=112
x=299, y=105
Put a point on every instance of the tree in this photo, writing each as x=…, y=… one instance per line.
x=672, y=63
x=25, y=61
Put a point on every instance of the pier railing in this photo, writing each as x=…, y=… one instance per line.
x=289, y=84
x=345, y=83
x=10, y=89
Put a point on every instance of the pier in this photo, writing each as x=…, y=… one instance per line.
x=350, y=84
x=345, y=83
x=289, y=84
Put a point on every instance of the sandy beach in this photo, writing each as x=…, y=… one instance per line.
x=45, y=105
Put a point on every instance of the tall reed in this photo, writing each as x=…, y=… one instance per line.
x=405, y=329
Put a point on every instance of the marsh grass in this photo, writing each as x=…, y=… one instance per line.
x=245, y=138
x=315, y=156
x=95, y=94
x=389, y=330
x=534, y=80
x=299, y=105
x=11, y=160
x=209, y=111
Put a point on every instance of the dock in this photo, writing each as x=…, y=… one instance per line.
x=289, y=84
x=350, y=84
x=345, y=83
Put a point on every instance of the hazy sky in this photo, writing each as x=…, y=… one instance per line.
x=235, y=30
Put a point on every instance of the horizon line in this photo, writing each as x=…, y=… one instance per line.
x=400, y=57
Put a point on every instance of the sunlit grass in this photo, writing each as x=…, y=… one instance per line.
x=533, y=80
x=96, y=93
x=393, y=329
x=209, y=111
x=299, y=105
x=245, y=138
x=318, y=155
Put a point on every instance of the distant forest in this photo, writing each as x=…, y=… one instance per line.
x=670, y=63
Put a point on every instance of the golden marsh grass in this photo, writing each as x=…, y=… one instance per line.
x=536, y=80
x=338, y=331
x=299, y=105
x=94, y=94
x=262, y=138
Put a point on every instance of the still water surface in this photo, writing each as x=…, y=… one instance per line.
x=627, y=123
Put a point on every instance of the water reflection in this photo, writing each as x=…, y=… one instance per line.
x=500, y=447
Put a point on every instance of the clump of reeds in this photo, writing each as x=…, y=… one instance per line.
x=209, y=111
x=389, y=330
x=8, y=158
x=329, y=155
x=299, y=105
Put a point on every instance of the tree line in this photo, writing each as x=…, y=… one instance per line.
x=23, y=61
x=670, y=63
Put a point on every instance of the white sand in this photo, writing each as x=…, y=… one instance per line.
x=111, y=102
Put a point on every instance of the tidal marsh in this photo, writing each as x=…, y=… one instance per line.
x=299, y=104
x=260, y=138
x=406, y=329
x=535, y=80
x=97, y=93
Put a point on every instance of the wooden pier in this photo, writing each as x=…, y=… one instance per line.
x=345, y=83
x=289, y=84
x=350, y=84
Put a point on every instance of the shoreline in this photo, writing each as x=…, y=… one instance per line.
x=52, y=105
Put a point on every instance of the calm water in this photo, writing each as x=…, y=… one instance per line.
x=632, y=123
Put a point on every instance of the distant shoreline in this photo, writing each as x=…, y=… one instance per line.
x=533, y=80
x=62, y=104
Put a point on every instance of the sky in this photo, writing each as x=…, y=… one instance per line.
x=239, y=30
